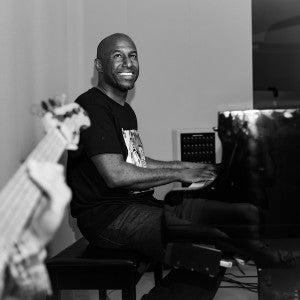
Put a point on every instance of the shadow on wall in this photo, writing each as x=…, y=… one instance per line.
x=69, y=219
x=73, y=225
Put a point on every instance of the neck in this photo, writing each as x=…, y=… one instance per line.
x=113, y=93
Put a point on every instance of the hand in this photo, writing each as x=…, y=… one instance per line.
x=49, y=177
x=209, y=169
x=203, y=172
x=190, y=165
x=196, y=165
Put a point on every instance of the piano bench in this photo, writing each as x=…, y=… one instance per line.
x=85, y=267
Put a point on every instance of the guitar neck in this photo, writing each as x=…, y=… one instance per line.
x=20, y=196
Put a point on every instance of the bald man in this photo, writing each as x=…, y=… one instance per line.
x=112, y=179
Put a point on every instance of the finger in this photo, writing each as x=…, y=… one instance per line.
x=49, y=177
x=44, y=169
x=58, y=204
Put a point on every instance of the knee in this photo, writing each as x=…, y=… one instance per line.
x=250, y=212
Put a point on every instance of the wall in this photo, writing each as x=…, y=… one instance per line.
x=276, y=53
x=33, y=54
x=34, y=66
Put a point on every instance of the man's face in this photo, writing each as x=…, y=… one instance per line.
x=120, y=64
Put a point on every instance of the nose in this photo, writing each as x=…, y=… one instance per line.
x=127, y=62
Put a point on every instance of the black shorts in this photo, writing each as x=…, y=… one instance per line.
x=141, y=227
x=138, y=227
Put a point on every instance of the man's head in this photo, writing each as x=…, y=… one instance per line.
x=117, y=62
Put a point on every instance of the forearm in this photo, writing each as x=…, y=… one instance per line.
x=137, y=178
x=119, y=174
x=175, y=164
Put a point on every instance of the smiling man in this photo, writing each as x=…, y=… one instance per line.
x=112, y=180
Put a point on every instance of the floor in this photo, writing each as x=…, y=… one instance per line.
x=146, y=283
x=284, y=280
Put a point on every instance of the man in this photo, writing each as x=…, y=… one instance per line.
x=26, y=276
x=112, y=180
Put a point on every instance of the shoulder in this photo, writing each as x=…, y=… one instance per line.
x=91, y=97
x=94, y=101
x=129, y=108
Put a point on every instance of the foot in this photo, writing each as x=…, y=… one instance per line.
x=268, y=290
x=269, y=293
x=268, y=257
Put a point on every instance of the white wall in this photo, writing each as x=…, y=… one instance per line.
x=34, y=66
x=32, y=59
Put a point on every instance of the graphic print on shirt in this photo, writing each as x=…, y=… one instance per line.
x=135, y=149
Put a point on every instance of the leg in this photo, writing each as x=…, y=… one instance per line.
x=138, y=228
x=240, y=221
x=128, y=294
x=129, y=291
x=158, y=273
x=236, y=219
x=102, y=294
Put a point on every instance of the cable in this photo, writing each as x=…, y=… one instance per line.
x=239, y=287
x=242, y=276
x=250, y=286
x=237, y=281
x=245, y=284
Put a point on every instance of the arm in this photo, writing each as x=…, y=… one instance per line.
x=175, y=164
x=119, y=174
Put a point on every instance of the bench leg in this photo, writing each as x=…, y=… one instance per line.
x=102, y=295
x=129, y=293
x=158, y=273
x=129, y=290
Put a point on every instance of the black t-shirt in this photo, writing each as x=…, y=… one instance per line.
x=113, y=130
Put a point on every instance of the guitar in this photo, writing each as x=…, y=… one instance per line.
x=20, y=196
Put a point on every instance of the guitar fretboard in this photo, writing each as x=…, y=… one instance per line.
x=20, y=195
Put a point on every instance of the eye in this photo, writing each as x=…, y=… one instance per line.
x=134, y=56
x=117, y=55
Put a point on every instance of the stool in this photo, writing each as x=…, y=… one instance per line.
x=85, y=267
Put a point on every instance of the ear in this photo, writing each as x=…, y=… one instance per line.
x=98, y=65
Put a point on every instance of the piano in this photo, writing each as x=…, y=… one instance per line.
x=260, y=165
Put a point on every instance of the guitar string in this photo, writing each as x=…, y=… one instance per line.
x=40, y=153
x=29, y=201
x=25, y=186
x=34, y=196
x=16, y=186
x=24, y=189
x=20, y=172
x=9, y=200
x=50, y=150
x=11, y=189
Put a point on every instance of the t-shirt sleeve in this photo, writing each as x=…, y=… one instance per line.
x=101, y=137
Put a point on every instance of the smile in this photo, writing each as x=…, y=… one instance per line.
x=126, y=75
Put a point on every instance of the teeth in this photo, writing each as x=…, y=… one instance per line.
x=126, y=74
